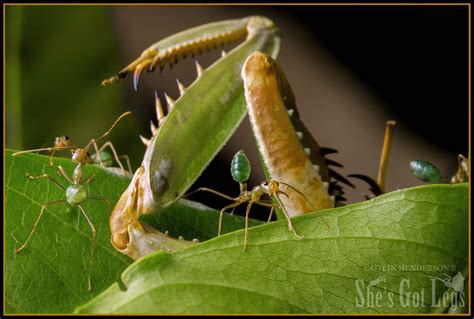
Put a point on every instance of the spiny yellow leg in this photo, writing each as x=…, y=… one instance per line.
x=189, y=43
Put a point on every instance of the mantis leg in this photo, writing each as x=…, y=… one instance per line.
x=247, y=224
x=389, y=126
x=116, y=157
x=63, y=173
x=205, y=189
x=48, y=177
x=287, y=216
x=37, y=221
x=89, y=281
x=222, y=214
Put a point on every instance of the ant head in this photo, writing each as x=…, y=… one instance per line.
x=80, y=155
x=62, y=141
x=270, y=186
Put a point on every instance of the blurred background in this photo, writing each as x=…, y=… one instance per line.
x=352, y=68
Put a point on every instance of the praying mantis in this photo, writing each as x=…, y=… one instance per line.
x=200, y=122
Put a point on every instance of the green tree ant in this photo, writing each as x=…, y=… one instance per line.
x=81, y=155
x=75, y=193
x=240, y=170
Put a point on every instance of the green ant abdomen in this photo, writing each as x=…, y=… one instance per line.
x=425, y=171
x=75, y=194
x=240, y=167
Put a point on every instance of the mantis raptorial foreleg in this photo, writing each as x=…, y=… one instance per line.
x=205, y=116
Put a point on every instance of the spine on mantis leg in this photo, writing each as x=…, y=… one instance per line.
x=289, y=152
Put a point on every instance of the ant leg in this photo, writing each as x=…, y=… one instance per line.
x=97, y=152
x=88, y=180
x=48, y=177
x=247, y=224
x=39, y=150
x=89, y=281
x=127, y=159
x=100, y=198
x=222, y=215
x=63, y=173
x=205, y=189
x=37, y=221
x=242, y=188
x=51, y=157
x=268, y=204
x=271, y=214
x=116, y=157
x=287, y=216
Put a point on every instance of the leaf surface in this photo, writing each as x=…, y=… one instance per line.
x=393, y=245
x=50, y=275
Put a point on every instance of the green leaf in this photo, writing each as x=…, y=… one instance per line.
x=393, y=241
x=194, y=220
x=50, y=275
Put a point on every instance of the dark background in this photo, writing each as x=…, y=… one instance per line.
x=352, y=68
x=405, y=55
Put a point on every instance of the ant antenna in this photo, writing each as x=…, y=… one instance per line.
x=108, y=131
x=44, y=149
x=304, y=196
